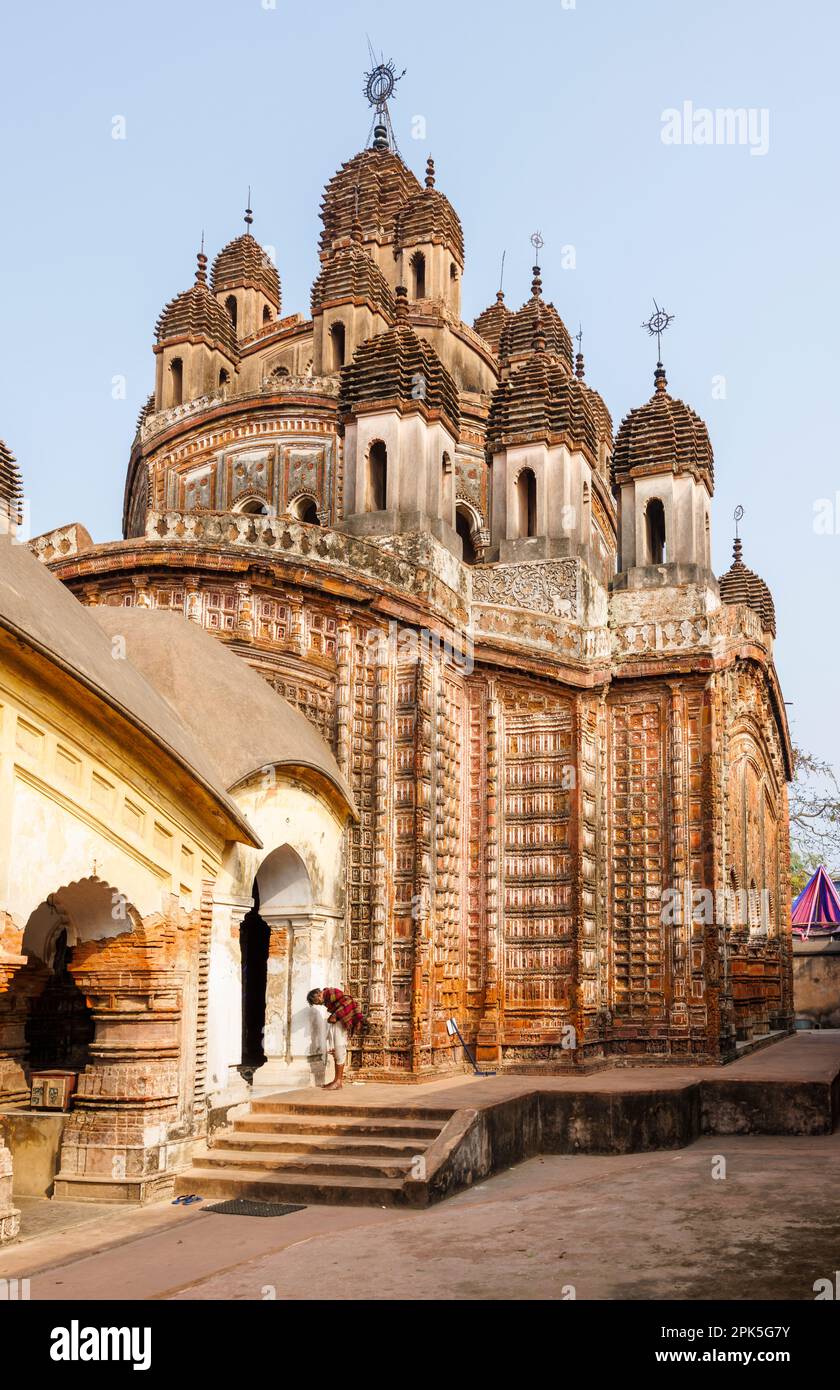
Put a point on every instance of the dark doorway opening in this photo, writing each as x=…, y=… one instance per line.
x=60, y=1026
x=254, y=936
x=462, y=526
x=655, y=518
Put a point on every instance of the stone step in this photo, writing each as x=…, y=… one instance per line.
x=306, y=1163
x=270, y=1105
x=345, y=1124
x=262, y=1185
x=372, y=1145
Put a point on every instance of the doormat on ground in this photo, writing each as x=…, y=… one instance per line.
x=240, y=1206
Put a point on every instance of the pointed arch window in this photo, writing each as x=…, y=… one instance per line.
x=377, y=477
x=230, y=305
x=655, y=532
x=526, y=501
x=464, y=528
x=176, y=373
x=337, y=345
x=418, y=275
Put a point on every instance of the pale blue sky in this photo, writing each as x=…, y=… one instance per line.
x=537, y=116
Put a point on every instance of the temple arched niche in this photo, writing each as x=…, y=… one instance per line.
x=754, y=815
x=468, y=527
x=46, y=1022
x=754, y=958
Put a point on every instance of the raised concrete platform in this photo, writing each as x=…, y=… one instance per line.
x=375, y=1144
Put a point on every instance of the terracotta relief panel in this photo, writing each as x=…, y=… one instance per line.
x=537, y=867
x=639, y=857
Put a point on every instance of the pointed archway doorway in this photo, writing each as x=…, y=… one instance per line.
x=282, y=947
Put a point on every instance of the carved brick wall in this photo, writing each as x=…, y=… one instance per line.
x=537, y=900
x=639, y=855
x=517, y=832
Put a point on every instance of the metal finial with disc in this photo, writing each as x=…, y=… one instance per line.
x=538, y=243
x=380, y=83
x=656, y=326
x=737, y=546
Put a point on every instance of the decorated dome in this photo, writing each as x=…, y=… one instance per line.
x=491, y=323
x=399, y=367
x=544, y=401
x=198, y=314
x=740, y=585
x=244, y=264
x=518, y=332
x=599, y=406
x=663, y=435
x=429, y=216
x=11, y=487
x=352, y=275
x=370, y=188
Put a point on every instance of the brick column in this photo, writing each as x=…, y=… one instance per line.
x=19, y=984
x=9, y=1215
x=132, y=1124
x=488, y=1042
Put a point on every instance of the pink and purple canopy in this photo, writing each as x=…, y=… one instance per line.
x=817, y=909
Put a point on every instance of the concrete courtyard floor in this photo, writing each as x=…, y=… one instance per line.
x=642, y=1226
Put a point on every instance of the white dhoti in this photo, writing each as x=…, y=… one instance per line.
x=337, y=1042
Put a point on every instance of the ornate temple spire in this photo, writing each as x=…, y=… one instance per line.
x=249, y=216
x=580, y=371
x=430, y=172
x=744, y=586
x=201, y=265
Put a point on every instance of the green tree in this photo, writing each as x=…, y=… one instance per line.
x=814, y=818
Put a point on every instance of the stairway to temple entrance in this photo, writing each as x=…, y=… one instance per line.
x=285, y=1150
x=387, y=1145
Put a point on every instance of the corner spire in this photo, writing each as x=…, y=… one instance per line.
x=536, y=284
x=430, y=172
x=249, y=216
x=201, y=265
x=401, y=294
x=580, y=370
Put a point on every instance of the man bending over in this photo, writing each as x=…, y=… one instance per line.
x=343, y=1018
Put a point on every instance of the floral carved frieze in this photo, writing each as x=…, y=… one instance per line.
x=541, y=586
x=638, y=638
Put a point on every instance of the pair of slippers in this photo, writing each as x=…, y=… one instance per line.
x=187, y=1200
